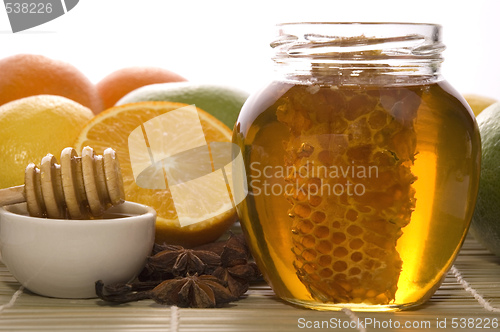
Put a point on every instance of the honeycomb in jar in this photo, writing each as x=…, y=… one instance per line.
x=349, y=161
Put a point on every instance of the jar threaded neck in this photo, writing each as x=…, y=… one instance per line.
x=358, y=53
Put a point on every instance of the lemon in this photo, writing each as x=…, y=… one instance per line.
x=478, y=103
x=485, y=224
x=34, y=126
x=221, y=101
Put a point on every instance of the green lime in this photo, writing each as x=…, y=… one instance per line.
x=221, y=101
x=485, y=224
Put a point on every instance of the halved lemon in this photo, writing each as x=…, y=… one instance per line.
x=113, y=127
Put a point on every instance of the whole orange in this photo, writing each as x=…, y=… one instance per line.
x=25, y=75
x=117, y=84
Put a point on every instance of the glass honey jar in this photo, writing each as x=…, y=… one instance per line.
x=362, y=166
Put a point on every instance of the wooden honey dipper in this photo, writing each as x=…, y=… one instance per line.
x=78, y=188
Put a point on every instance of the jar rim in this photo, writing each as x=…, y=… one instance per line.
x=351, y=48
x=411, y=39
x=361, y=23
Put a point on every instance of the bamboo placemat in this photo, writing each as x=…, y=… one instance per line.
x=452, y=308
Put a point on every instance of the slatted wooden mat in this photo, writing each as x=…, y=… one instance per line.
x=452, y=308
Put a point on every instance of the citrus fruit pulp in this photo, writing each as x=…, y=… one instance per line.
x=113, y=127
x=34, y=126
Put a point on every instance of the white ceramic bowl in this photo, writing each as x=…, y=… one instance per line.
x=64, y=258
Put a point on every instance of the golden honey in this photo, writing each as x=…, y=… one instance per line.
x=360, y=188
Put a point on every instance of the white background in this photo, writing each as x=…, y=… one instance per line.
x=228, y=41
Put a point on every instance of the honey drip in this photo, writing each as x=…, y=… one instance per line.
x=344, y=243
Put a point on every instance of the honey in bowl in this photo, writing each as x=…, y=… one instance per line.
x=362, y=167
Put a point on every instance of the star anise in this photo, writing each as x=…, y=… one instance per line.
x=207, y=276
x=235, y=268
x=237, y=277
x=205, y=291
x=235, y=251
x=179, y=261
x=124, y=292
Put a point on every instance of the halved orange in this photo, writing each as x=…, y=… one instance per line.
x=113, y=127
